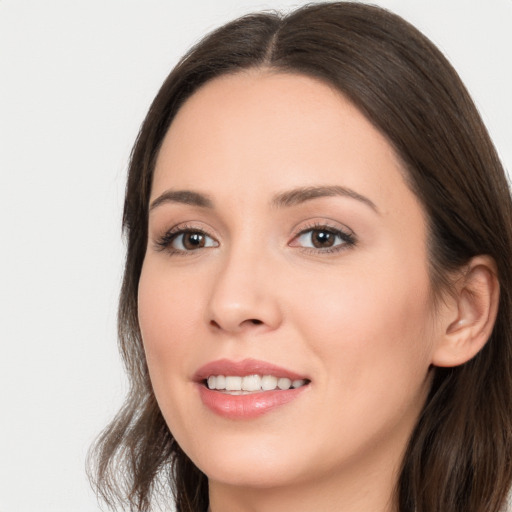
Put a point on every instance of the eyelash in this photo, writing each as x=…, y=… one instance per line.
x=165, y=241
x=348, y=238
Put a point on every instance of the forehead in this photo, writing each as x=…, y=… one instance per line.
x=263, y=130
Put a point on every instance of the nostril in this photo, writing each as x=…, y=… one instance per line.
x=250, y=321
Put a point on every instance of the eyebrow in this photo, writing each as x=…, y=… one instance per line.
x=303, y=194
x=288, y=198
x=184, y=197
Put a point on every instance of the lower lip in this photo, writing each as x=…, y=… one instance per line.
x=246, y=406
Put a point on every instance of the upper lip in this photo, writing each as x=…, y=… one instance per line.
x=243, y=368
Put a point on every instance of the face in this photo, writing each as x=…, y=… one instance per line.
x=285, y=251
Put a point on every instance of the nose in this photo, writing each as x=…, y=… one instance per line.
x=243, y=297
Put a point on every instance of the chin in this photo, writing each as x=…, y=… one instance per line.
x=249, y=463
x=257, y=475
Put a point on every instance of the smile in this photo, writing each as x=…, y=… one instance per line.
x=242, y=390
x=236, y=385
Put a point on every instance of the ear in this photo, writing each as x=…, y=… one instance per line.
x=470, y=314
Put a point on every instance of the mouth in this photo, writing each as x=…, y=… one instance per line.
x=249, y=384
x=247, y=389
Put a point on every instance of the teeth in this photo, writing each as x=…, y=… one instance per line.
x=220, y=382
x=233, y=383
x=268, y=382
x=252, y=383
x=284, y=383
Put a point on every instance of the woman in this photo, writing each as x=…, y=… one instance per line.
x=315, y=313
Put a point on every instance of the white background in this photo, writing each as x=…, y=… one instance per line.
x=76, y=78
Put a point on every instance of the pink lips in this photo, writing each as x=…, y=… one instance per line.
x=245, y=406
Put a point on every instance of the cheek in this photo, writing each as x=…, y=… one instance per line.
x=372, y=319
x=369, y=331
x=168, y=308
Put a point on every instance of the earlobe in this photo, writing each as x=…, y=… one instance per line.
x=471, y=314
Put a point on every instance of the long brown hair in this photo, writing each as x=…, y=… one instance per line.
x=458, y=459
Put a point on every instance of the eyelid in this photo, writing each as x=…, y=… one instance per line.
x=344, y=232
x=163, y=242
x=327, y=224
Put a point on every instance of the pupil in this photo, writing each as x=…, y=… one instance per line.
x=323, y=239
x=193, y=240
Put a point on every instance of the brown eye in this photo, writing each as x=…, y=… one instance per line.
x=191, y=240
x=322, y=238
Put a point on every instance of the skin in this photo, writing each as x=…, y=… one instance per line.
x=357, y=321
